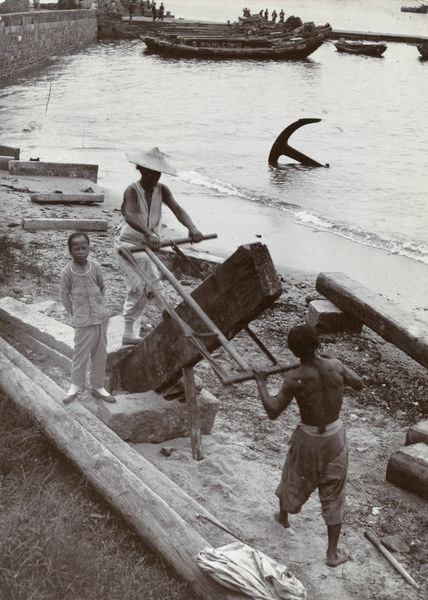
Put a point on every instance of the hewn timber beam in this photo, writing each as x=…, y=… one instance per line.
x=161, y=528
x=391, y=322
x=237, y=292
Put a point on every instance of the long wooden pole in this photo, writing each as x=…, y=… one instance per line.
x=162, y=530
x=394, y=562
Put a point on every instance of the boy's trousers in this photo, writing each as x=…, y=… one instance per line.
x=90, y=341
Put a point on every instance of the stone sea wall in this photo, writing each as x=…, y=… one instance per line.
x=30, y=39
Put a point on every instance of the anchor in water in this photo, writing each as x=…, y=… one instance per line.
x=281, y=146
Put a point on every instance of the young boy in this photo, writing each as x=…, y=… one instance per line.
x=82, y=293
x=318, y=454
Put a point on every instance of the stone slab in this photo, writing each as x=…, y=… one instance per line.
x=408, y=469
x=65, y=224
x=417, y=433
x=30, y=321
x=36, y=346
x=45, y=169
x=85, y=198
x=10, y=151
x=326, y=317
x=147, y=417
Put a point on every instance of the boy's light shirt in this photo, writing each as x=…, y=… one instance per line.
x=83, y=295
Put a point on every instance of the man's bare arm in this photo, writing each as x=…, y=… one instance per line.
x=273, y=406
x=352, y=379
x=182, y=216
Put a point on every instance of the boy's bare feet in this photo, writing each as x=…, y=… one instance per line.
x=282, y=519
x=336, y=559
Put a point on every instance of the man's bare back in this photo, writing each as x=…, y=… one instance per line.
x=317, y=385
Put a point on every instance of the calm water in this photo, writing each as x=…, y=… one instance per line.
x=218, y=120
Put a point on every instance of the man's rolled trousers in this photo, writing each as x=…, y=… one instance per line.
x=316, y=460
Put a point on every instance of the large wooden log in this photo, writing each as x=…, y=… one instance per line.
x=239, y=291
x=183, y=504
x=389, y=321
x=161, y=528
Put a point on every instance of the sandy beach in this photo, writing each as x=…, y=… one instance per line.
x=244, y=453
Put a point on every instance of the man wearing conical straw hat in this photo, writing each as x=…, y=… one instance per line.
x=141, y=224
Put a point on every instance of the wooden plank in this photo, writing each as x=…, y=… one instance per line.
x=389, y=321
x=237, y=292
x=65, y=224
x=66, y=198
x=163, y=531
x=408, y=468
x=46, y=169
x=193, y=413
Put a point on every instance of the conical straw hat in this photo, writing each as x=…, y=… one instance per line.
x=152, y=159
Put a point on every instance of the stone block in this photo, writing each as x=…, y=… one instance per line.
x=65, y=224
x=38, y=168
x=408, y=469
x=30, y=321
x=85, y=198
x=4, y=162
x=36, y=346
x=147, y=417
x=325, y=317
x=417, y=433
x=10, y=152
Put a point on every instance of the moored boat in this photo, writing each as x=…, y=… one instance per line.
x=250, y=39
x=360, y=48
x=213, y=47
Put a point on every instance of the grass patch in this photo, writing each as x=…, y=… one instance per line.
x=24, y=261
x=58, y=539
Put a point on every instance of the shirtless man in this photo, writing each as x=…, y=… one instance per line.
x=141, y=224
x=318, y=454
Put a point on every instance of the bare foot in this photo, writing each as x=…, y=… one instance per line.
x=282, y=519
x=338, y=559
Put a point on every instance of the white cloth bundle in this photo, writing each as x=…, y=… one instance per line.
x=243, y=569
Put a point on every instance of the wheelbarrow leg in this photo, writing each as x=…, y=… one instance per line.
x=193, y=413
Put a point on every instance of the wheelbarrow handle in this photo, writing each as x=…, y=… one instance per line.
x=186, y=240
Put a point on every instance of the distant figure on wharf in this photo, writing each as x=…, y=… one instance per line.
x=161, y=11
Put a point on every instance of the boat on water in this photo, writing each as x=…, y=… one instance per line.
x=252, y=39
x=360, y=48
x=423, y=50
